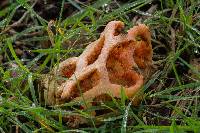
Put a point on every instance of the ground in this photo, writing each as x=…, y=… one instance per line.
x=35, y=35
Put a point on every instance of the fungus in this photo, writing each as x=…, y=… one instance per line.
x=113, y=61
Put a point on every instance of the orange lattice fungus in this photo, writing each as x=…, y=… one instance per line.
x=112, y=62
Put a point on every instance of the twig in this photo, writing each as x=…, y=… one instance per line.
x=17, y=23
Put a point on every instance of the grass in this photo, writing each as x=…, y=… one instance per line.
x=171, y=100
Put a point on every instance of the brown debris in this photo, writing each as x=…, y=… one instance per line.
x=1, y=59
x=196, y=64
x=19, y=52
